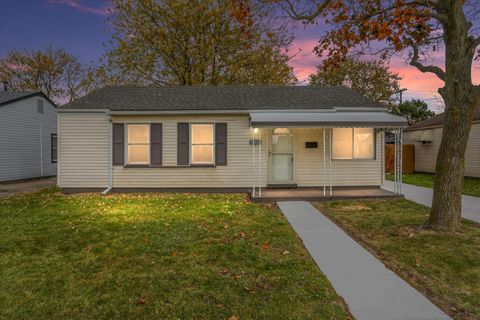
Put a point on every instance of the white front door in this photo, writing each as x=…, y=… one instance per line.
x=281, y=156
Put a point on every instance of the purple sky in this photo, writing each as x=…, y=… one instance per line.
x=78, y=26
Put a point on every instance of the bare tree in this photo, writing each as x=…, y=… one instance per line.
x=55, y=72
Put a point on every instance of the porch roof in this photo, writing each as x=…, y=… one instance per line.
x=326, y=119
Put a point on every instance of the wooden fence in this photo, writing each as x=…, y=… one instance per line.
x=408, y=155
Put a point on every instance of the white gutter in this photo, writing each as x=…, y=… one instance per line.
x=110, y=158
x=60, y=110
x=225, y=111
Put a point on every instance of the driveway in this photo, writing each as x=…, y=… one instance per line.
x=7, y=189
x=422, y=195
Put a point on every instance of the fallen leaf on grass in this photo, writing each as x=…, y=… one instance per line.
x=233, y=318
x=242, y=234
x=141, y=300
x=266, y=245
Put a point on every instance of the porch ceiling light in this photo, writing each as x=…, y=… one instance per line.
x=281, y=131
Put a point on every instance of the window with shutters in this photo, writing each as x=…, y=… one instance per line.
x=202, y=143
x=138, y=144
x=353, y=143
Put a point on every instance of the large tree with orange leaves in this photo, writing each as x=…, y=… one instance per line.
x=413, y=28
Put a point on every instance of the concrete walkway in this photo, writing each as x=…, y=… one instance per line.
x=370, y=289
x=8, y=189
x=422, y=195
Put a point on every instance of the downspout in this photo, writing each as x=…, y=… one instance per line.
x=41, y=148
x=110, y=158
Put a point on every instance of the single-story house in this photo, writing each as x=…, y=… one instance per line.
x=28, y=135
x=222, y=138
x=426, y=137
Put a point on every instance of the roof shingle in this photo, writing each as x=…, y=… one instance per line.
x=434, y=121
x=6, y=96
x=171, y=98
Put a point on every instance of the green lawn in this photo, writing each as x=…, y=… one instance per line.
x=471, y=185
x=445, y=267
x=155, y=256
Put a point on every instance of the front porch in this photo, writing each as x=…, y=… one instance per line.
x=318, y=194
x=337, y=155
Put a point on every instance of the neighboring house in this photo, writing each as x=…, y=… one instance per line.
x=222, y=138
x=427, y=135
x=28, y=135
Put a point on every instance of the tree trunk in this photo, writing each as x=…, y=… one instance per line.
x=461, y=101
x=450, y=169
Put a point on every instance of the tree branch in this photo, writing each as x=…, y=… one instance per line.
x=432, y=69
x=307, y=16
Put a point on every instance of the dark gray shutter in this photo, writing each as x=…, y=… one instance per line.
x=221, y=144
x=156, y=144
x=183, y=144
x=118, y=144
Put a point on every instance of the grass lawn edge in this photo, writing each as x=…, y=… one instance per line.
x=413, y=280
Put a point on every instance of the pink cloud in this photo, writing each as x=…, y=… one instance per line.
x=80, y=6
x=304, y=60
x=420, y=85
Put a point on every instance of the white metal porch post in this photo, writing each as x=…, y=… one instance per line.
x=395, y=163
x=253, y=162
x=324, y=163
x=400, y=156
x=329, y=139
x=260, y=162
x=398, y=161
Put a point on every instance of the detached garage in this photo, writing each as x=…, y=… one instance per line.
x=427, y=135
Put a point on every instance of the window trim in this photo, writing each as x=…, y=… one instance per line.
x=53, y=135
x=126, y=144
x=202, y=164
x=374, y=136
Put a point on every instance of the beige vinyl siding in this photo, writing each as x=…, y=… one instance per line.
x=308, y=163
x=426, y=154
x=236, y=174
x=84, y=156
x=83, y=150
x=472, y=154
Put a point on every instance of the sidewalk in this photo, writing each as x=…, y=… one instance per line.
x=422, y=195
x=371, y=291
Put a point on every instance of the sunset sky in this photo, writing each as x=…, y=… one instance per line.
x=79, y=27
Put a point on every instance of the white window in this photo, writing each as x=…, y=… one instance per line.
x=363, y=143
x=138, y=144
x=202, y=143
x=353, y=143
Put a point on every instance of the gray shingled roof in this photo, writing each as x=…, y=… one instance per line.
x=437, y=120
x=167, y=98
x=6, y=96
